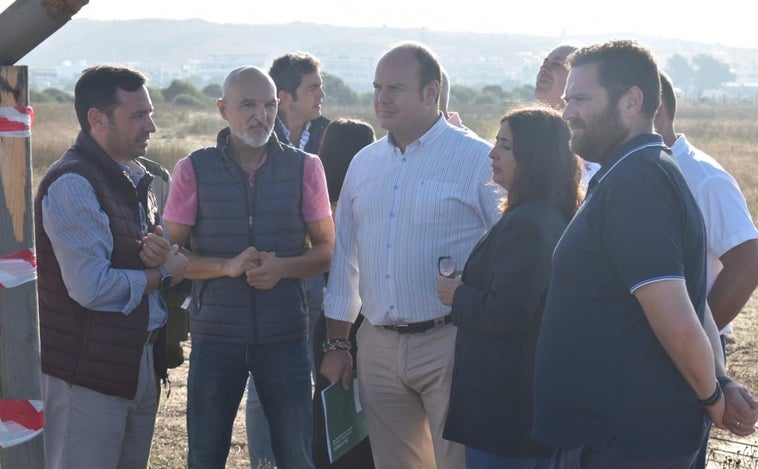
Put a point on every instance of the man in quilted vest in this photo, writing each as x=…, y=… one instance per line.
x=102, y=261
x=255, y=216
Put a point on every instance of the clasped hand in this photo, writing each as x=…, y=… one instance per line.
x=263, y=269
x=154, y=248
x=740, y=410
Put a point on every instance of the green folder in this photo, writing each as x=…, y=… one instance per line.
x=343, y=416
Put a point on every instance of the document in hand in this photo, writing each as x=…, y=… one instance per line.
x=343, y=417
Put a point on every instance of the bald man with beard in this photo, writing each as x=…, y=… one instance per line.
x=246, y=208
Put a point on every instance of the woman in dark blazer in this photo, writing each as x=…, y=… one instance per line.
x=497, y=304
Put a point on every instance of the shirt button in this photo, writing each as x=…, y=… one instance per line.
x=392, y=306
x=387, y=275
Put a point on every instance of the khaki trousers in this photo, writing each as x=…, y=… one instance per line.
x=404, y=387
x=88, y=429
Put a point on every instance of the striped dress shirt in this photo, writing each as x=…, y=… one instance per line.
x=397, y=214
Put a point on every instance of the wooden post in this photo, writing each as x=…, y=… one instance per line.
x=19, y=329
x=26, y=23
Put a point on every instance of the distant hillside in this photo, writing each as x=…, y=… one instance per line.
x=178, y=49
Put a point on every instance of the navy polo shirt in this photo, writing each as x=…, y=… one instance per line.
x=600, y=371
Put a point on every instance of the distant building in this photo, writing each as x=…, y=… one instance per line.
x=215, y=68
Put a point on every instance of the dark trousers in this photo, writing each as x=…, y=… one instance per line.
x=610, y=458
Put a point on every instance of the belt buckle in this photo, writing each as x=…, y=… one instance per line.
x=398, y=328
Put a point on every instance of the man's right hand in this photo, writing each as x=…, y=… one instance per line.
x=243, y=261
x=176, y=264
x=337, y=365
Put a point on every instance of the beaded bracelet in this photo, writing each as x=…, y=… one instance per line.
x=713, y=398
x=336, y=344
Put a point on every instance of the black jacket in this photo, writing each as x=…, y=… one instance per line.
x=498, y=311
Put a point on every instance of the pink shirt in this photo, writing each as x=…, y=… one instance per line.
x=181, y=205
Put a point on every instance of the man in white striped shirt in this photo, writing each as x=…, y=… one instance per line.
x=422, y=192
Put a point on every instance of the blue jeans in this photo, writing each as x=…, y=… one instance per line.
x=215, y=385
x=258, y=434
x=478, y=459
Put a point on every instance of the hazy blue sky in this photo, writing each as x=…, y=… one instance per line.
x=729, y=22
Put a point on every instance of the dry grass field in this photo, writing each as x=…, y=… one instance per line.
x=729, y=133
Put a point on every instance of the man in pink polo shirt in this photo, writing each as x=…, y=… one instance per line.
x=255, y=218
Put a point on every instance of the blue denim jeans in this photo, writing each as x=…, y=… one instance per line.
x=215, y=385
x=258, y=434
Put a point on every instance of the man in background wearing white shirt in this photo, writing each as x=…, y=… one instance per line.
x=731, y=235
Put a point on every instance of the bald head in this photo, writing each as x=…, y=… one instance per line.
x=551, y=78
x=249, y=104
x=245, y=76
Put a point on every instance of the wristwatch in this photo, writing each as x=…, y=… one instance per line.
x=166, y=278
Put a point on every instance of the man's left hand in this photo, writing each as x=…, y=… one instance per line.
x=741, y=412
x=268, y=274
x=446, y=289
x=154, y=248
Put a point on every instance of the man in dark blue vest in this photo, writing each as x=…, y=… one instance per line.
x=255, y=217
x=299, y=123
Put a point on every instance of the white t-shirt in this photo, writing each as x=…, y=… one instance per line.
x=727, y=219
x=588, y=170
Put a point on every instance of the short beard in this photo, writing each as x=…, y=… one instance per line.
x=600, y=136
x=249, y=140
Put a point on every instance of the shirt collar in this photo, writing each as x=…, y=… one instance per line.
x=440, y=126
x=287, y=134
x=628, y=148
x=680, y=144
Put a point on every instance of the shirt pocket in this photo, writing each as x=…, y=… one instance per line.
x=434, y=201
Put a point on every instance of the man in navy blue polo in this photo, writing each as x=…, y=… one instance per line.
x=625, y=373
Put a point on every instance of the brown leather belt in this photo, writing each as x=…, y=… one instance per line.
x=416, y=327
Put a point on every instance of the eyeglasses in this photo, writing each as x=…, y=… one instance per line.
x=446, y=266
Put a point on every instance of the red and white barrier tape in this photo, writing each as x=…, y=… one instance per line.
x=18, y=268
x=16, y=121
x=20, y=421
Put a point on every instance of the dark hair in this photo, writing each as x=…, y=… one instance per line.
x=97, y=88
x=287, y=70
x=546, y=168
x=668, y=97
x=621, y=65
x=429, y=66
x=342, y=139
